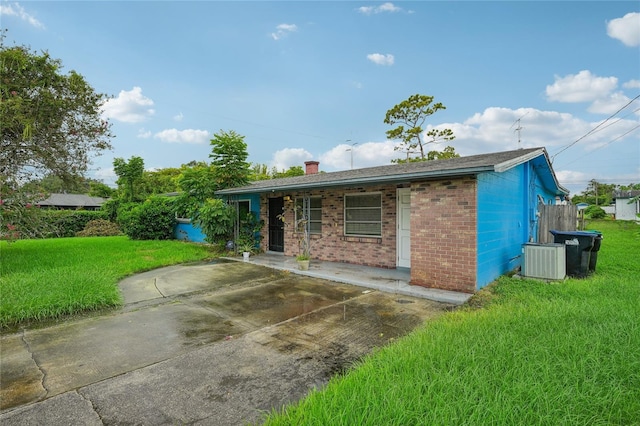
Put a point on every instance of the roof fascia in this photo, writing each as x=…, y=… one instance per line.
x=360, y=181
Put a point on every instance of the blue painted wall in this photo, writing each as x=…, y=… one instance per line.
x=188, y=232
x=507, y=216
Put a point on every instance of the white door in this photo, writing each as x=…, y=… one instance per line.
x=404, y=228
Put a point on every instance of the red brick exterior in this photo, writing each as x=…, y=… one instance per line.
x=443, y=231
x=443, y=234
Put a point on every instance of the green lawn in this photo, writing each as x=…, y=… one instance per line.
x=523, y=352
x=44, y=279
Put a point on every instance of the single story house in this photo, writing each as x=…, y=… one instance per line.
x=457, y=224
x=626, y=209
x=72, y=202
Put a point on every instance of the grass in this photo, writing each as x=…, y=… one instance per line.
x=534, y=353
x=48, y=279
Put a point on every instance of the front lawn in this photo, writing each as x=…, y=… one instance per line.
x=43, y=279
x=563, y=353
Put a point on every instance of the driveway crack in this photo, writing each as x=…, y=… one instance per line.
x=93, y=406
x=35, y=361
x=155, y=284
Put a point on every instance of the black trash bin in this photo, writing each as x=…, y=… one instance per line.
x=581, y=250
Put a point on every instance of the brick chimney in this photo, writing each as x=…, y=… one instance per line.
x=311, y=167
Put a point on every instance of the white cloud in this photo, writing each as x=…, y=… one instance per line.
x=626, y=29
x=380, y=59
x=367, y=154
x=178, y=117
x=285, y=158
x=16, y=10
x=632, y=84
x=284, y=30
x=130, y=106
x=191, y=136
x=581, y=87
x=385, y=7
x=609, y=104
x=106, y=175
x=144, y=134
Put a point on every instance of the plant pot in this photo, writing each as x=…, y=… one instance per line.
x=245, y=255
x=303, y=265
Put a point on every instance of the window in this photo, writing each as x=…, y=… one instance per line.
x=363, y=215
x=315, y=213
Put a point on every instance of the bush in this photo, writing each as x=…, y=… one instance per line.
x=100, y=228
x=151, y=220
x=595, y=212
x=66, y=223
x=215, y=218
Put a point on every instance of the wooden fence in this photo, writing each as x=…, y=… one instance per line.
x=561, y=218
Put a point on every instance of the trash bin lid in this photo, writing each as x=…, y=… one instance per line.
x=576, y=233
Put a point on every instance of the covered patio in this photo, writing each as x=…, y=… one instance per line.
x=394, y=281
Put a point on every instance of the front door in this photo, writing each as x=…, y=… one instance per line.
x=404, y=228
x=276, y=225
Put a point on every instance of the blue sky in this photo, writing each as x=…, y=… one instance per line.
x=305, y=80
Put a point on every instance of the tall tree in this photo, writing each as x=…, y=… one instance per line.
x=130, y=175
x=50, y=122
x=229, y=159
x=409, y=117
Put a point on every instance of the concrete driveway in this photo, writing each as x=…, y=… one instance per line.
x=220, y=343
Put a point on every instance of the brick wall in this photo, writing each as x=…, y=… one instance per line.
x=443, y=234
x=332, y=244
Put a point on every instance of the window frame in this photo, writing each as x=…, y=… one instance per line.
x=311, y=221
x=346, y=222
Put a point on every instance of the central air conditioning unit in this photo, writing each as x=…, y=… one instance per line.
x=546, y=261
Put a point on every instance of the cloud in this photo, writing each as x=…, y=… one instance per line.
x=626, y=29
x=609, y=104
x=380, y=59
x=129, y=107
x=16, y=10
x=581, y=87
x=632, y=84
x=191, y=136
x=178, y=117
x=285, y=158
x=367, y=154
x=383, y=8
x=144, y=134
x=284, y=30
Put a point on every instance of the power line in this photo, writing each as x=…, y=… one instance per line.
x=592, y=130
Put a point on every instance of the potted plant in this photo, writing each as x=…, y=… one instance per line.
x=246, y=247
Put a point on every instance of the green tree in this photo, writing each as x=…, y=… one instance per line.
x=160, y=181
x=50, y=122
x=99, y=189
x=197, y=184
x=290, y=172
x=409, y=117
x=259, y=172
x=229, y=159
x=129, y=176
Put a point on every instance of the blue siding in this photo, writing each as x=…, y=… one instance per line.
x=507, y=217
x=188, y=232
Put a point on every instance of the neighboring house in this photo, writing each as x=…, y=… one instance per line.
x=626, y=209
x=72, y=202
x=458, y=224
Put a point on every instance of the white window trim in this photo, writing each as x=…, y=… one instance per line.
x=319, y=197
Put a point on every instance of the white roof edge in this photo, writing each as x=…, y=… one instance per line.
x=506, y=165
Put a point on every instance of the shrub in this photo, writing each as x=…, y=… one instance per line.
x=151, y=220
x=215, y=218
x=99, y=228
x=595, y=212
x=66, y=223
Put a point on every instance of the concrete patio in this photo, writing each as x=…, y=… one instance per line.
x=394, y=281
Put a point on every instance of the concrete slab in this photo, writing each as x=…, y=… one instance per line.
x=206, y=344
